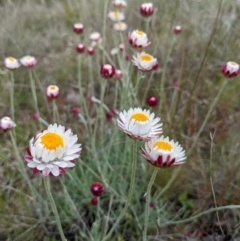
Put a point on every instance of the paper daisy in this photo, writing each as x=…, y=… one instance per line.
x=116, y=16
x=139, y=124
x=11, y=63
x=6, y=123
x=28, y=61
x=120, y=26
x=146, y=9
x=119, y=3
x=138, y=39
x=52, y=92
x=145, y=62
x=162, y=152
x=231, y=69
x=52, y=151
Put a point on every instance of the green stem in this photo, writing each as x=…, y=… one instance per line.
x=150, y=184
x=195, y=139
x=21, y=165
x=33, y=90
x=53, y=206
x=55, y=111
x=104, y=28
x=12, y=96
x=147, y=88
x=130, y=192
x=162, y=91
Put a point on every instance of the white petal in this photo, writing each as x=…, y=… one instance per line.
x=32, y=164
x=55, y=171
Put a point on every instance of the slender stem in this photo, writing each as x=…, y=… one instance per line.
x=55, y=111
x=53, y=206
x=195, y=139
x=12, y=96
x=33, y=90
x=162, y=92
x=130, y=192
x=21, y=165
x=211, y=181
x=150, y=184
x=149, y=81
x=104, y=28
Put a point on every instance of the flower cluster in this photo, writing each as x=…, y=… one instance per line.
x=27, y=61
x=118, y=16
x=97, y=190
x=142, y=125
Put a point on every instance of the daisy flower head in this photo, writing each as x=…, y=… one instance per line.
x=118, y=74
x=78, y=28
x=116, y=16
x=107, y=71
x=120, y=26
x=11, y=63
x=139, y=124
x=90, y=50
x=6, y=123
x=95, y=36
x=177, y=29
x=28, y=61
x=138, y=39
x=80, y=48
x=145, y=62
x=53, y=150
x=119, y=4
x=52, y=92
x=163, y=152
x=146, y=9
x=152, y=101
x=97, y=189
x=230, y=69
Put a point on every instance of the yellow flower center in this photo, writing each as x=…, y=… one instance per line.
x=233, y=63
x=52, y=141
x=11, y=59
x=140, y=117
x=146, y=57
x=163, y=145
x=120, y=25
x=116, y=14
x=140, y=33
x=28, y=58
x=52, y=87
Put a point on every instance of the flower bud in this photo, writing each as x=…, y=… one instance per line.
x=97, y=189
x=52, y=92
x=152, y=101
x=107, y=71
x=6, y=123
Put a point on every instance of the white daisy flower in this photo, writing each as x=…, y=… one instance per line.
x=119, y=3
x=231, y=69
x=120, y=26
x=116, y=16
x=6, y=123
x=52, y=92
x=139, y=124
x=95, y=36
x=138, y=39
x=147, y=9
x=162, y=152
x=145, y=62
x=11, y=63
x=52, y=151
x=28, y=61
